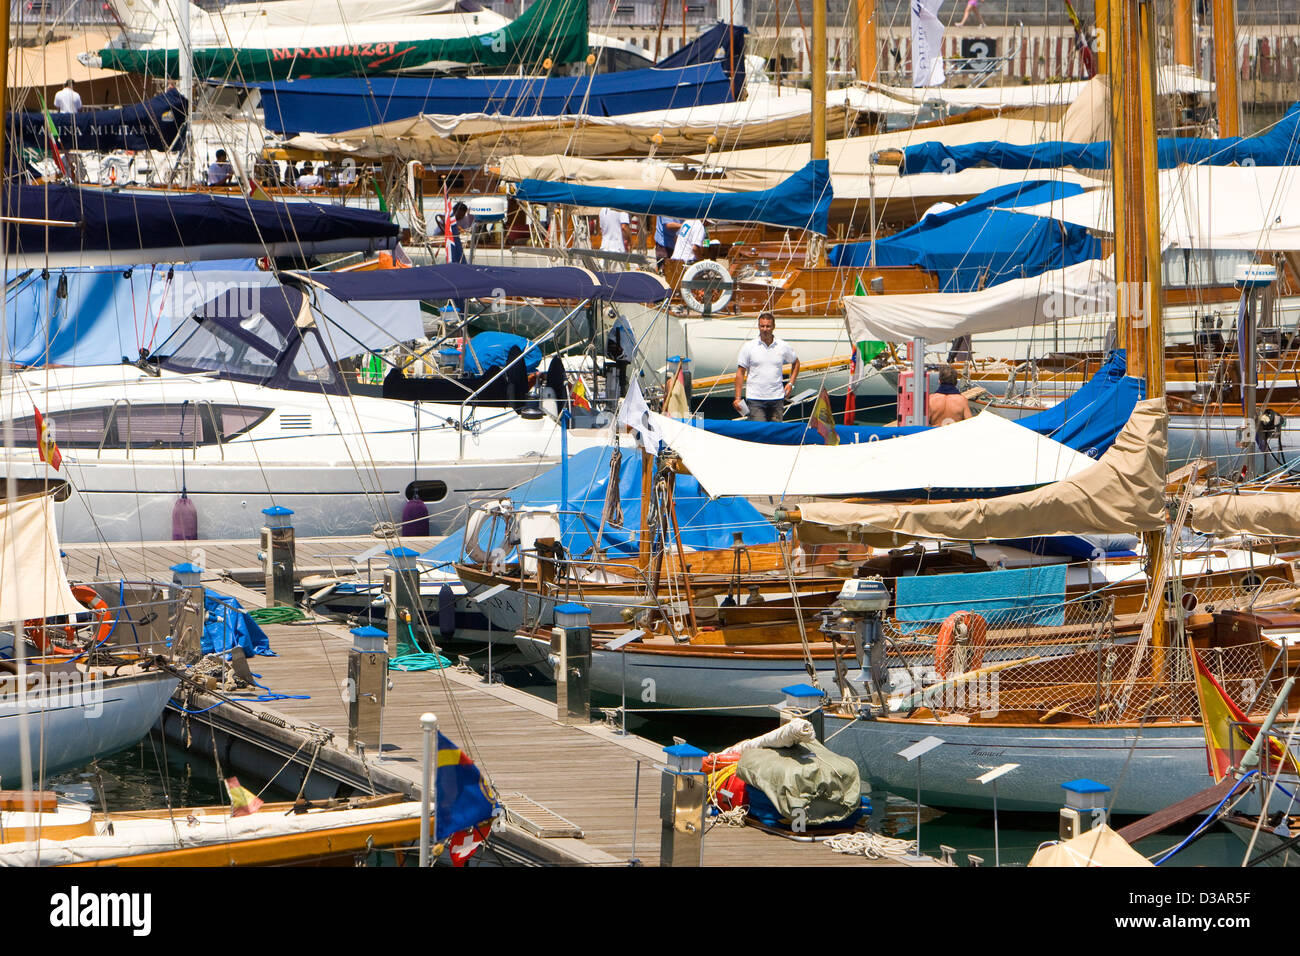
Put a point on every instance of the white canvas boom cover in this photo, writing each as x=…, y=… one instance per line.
x=32, y=582
x=982, y=455
x=1123, y=492
x=1081, y=289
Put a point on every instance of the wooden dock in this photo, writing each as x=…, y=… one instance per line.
x=551, y=777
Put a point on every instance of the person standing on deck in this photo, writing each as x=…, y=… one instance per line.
x=947, y=404
x=615, y=230
x=67, y=100
x=759, y=369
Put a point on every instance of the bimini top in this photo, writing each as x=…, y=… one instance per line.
x=461, y=281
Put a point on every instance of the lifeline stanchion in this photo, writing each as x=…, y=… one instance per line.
x=429, y=724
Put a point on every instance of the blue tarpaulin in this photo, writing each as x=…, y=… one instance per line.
x=489, y=350
x=1088, y=421
x=1276, y=146
x=1021, y=596
x=228, y=626
x=704, y=524
x=975, y=245
x=335, y=105
x=801, y=201
x=89, y=316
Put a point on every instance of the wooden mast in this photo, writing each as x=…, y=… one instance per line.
x=1184, y=34
x=1225, y=67
x=817, y=247
x=868, y=48
x=1101, y=29
x=1137, y=232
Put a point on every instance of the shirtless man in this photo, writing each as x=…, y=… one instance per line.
x=948, y=404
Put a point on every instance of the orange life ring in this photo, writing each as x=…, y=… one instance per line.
x=973, y=634
x=87, y=596
x=41, y=636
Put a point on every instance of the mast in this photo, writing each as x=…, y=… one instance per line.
x=868, y=50
x=1137, y=232
x=186, y=71
x=817, y=247
x=1225, y=67
x=1184, y=34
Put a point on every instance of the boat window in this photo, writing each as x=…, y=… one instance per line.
x=237, y=419
x=312, y=363
x=214, y=348
x=77, y=428
x=427, y=491
x=157, y=426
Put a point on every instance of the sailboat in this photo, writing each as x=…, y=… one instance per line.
x=79, y=678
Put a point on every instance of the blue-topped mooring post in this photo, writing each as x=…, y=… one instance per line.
x=805, y=700
x=278, y=552
x=1085, y=806
x=190, y=613
x=571, y=643
x=366, y=689
x=402, y=592
x=683, y=793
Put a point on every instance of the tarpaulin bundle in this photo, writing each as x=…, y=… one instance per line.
x=1277, y=146
x=801, y=201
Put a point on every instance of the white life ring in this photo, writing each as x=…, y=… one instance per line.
x=694, y=271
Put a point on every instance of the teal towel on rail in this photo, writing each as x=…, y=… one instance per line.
x=1020, y=596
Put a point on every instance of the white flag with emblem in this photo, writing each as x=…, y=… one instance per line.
x=635, y=414
x=927, y=43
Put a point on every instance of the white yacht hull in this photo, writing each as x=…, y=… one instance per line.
x=70, y=724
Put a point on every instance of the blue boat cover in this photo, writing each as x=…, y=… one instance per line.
x=1277, y=146
x=228, y=626
x=489, y=350
x=1088, y=421
x=102, y=313
x=158, y=123
x=705, y=524
x=975, y=245
x=347, y=103
x=460, y=280
x=710, y=45
x=1021, y=596
x=120, y=222
x=802, y=201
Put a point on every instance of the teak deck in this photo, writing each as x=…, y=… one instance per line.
x=586, y=775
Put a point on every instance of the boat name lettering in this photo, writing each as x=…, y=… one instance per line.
x=75, y=909
x=328, y=52
x=978, y=752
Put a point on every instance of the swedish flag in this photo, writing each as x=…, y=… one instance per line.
x=464, y=798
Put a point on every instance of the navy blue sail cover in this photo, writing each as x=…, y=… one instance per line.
x=124, y=225
x=721, y=42
x=458, y=280
x=801, y=201
x=334, y=105
x=158, y=123
x=1277, y=146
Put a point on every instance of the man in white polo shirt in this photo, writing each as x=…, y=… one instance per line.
x=758, y=373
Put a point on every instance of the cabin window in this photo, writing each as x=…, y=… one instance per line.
x=311, y=363
x=77, y=428
x=427, y=491
x=143, y=426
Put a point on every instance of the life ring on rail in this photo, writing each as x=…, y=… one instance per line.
x=96, y=604
x=706, y=269
x=964, y=629
x=42, y=636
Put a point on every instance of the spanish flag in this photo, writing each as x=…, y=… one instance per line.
x=823, y=420
x=242, y=801
x=579, y=394
x=1228, y=732
x=46, y=446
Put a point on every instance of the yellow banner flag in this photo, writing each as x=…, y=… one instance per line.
x=823, y=420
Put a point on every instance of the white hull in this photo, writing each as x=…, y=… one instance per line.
x=66, y=726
